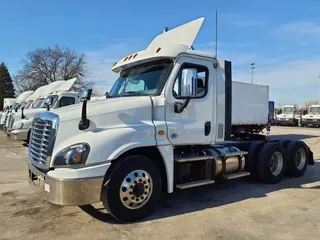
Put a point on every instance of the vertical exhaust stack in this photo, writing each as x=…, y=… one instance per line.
x=228, y=99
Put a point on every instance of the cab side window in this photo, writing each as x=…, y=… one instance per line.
x=65, y=101
x=201, y=84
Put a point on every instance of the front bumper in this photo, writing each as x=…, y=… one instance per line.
x=19, y=134
x=310, y=123
x=73, y=192
x=284, y=122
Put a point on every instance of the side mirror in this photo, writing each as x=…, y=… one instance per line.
x=86, y=95
x=107, y=94
x=47, y=102
x=188, y=84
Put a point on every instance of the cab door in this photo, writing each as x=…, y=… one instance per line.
x=193, y=125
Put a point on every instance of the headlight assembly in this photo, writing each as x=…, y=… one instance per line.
x=75, y=154
x=18, y=125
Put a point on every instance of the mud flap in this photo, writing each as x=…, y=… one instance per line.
x=310, y=157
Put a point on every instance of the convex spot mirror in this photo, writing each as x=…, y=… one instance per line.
x=188, y=84
x=86, y=95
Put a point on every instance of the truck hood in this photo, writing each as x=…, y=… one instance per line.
x=29, y=113
x=103, y=107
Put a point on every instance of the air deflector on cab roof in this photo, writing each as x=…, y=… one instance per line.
x=182, y=35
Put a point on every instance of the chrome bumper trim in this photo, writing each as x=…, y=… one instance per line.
x=73, y=192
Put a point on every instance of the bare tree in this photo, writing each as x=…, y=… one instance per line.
x=46, y=65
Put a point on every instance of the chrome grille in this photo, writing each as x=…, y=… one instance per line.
x=42, y=137
x=6, y=118
x=10, y=122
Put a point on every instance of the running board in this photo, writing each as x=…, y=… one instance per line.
x=195, y=184
x=236, y=175
x=193, y=159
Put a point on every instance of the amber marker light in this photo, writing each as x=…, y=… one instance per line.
x=161, y=132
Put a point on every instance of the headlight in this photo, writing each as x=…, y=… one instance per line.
x=75, y=154
x=18, y=125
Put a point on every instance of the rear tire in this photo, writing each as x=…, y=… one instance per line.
x=297, y=158
x=132, y=189
x=271, y=163
x=251, y=158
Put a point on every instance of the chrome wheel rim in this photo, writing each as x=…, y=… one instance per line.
x=136, y=189
x=276, y=163
x=300, y=158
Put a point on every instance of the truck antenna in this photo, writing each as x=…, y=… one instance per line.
x=216, y=34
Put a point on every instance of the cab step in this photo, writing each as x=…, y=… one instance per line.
x=193, y=159
x=236, y=175
x=195, y=184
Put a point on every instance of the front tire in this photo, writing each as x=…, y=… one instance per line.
x=132, y=189
x=271, y=163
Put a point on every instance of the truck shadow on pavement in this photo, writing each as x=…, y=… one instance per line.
x=216, y=195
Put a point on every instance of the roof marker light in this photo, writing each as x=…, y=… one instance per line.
x=130, y=57
x=135, y=55
x=158, y=50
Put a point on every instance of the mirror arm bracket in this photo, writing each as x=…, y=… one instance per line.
x=85, y=122
x=179, y=107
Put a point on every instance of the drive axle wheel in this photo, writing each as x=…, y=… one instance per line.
x=297, y=158
x=132, y=189
x=271, y=163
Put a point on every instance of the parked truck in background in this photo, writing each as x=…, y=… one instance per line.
x=8, y=103
x=312, y=118
x=170, y=122
x=289, y=116
x=20, y=102
x=54, y=95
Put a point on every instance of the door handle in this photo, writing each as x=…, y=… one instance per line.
x=207, y=128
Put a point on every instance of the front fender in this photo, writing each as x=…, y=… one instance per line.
x=107, y=144
x=26, y=124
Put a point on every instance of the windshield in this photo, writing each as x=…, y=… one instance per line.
x=52, y=99
x=37, y=103
x=14, y=106
x=26, y=104
x=144, y=79
x=288, y=110
x=315, y=110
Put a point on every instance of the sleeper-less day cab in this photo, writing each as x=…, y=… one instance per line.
x=312, y=118
x=289, y=116
x=172, y=120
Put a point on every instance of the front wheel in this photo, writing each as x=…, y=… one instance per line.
x=132, y=189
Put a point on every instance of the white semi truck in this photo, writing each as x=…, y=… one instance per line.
x=7, y=105
x=167, y=124
x=52, y=96
x=20, y=101
x=289, y=116
x=312, y=118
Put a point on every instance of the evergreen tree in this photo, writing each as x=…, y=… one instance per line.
x=6, y=84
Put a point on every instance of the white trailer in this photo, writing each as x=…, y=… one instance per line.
x=166, y=125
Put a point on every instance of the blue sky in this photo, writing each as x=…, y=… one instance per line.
x=281, y=37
